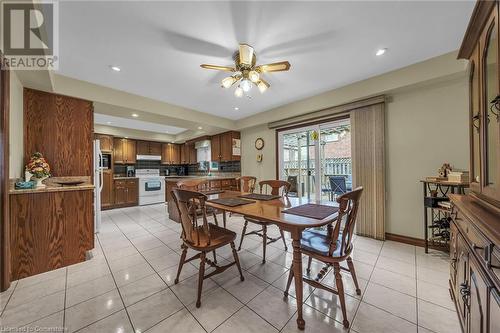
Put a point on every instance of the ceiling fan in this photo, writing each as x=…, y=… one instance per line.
x=245, y=71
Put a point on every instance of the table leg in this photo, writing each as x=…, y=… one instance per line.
x=224, y=218
x=297, y=272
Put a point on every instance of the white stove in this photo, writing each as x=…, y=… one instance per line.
x=151, y=186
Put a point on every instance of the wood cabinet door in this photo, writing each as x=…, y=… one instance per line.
x=226, y=147
x=494, y=311
x=192, y=154
x=176, y=154
x=155, y=148
x=132, y=192
x=142, y=148
x=106, y=142
x=184, y=153
x=107, y=189
x=215, y=147
x=478, y=292
x=164, y=153
x=131, y=151
x=118, y=151
x=490, y=134
x=120, y=190
x=462, y=278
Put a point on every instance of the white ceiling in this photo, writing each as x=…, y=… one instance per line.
x=160, y=45
x=104, y=119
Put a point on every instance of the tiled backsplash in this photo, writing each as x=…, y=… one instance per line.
x=192, y=169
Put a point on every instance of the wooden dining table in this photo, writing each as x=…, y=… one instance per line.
x=272, y=211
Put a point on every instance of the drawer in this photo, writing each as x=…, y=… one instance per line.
x=479, y=244
x=215, y=184
x=131, y=182
x=120, y=182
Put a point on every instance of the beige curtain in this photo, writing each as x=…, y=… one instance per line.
x=367, y=126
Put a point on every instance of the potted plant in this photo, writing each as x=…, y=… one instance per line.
x=39, y=168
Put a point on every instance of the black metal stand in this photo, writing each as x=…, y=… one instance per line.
x=439, y=228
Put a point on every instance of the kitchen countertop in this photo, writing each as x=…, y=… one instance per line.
x=51, y=186
x=124, y=177
x=173, y=178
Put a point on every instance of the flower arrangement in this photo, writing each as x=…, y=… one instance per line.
x=38, y=166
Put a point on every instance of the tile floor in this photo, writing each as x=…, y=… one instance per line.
x=128, y=286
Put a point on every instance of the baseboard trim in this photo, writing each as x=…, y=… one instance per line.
x=405, y=239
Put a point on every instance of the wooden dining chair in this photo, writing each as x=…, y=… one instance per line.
x=201, y=237
x=276, y=186
x=201, y=185
x=246, y=184
x=333, y=246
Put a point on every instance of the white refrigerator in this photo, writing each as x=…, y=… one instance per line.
x=98, y=183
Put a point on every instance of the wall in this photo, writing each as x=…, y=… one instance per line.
x=16, y=164
x=426, y=125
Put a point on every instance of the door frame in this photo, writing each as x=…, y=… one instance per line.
x=4, y=177
x=315, y=125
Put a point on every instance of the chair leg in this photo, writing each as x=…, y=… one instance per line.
x=215, y=219
x=340, y=288
x=181, y=263
x=264, y=243
x=215, y=257
x=283, y=238
x=309, y=262
x=350, y=264
x=243, y=234
x=224, y=219
x=201, y=277
x=237, y=261
x=289, y=282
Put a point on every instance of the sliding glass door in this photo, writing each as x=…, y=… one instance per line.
x=316, y=159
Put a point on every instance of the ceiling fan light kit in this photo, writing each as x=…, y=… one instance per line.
x=246, y=73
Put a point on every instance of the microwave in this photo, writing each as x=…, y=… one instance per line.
x=106, y=161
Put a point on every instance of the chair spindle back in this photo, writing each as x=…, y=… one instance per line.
x=246, y=183
x=276, y=186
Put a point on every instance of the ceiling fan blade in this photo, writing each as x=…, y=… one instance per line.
x=262, y=85
x=246, y=54
x=218, y=68
x=274, y=67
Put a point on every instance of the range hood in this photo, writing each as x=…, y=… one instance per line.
x=204, y=144
x=148, y=157
x=203, y=150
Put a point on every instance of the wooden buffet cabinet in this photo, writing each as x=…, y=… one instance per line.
x=475, y=226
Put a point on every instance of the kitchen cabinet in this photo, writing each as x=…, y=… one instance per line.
x=481, y=48
x=171, y=154
x=222, y=147
x=62, y=128
x=148, y=148
x=188, y=153
x=124, y=151
x=126, y=192
x=107, y=189
x=106, y=142
x=192, y=153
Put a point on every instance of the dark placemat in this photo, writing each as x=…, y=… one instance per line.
x=256, y=196
x=231, y=202
x=312, y=210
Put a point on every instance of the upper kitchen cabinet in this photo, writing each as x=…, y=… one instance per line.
x=481, y=48
x=171, y=153
x=225, y=147
x=124, y=151
x=148, y=148
x=61, y=128
x=106, y=142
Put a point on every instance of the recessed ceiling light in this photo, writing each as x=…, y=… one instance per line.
x=200, y=128
x=115, y=68
x=381, y=52
x=135, y=115
x=126, y=137
x=236, y=108
x=108, y=122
